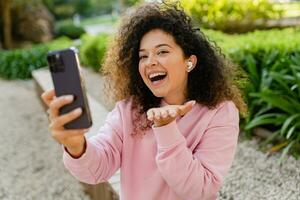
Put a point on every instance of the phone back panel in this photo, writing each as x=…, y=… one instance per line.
x=67, y=80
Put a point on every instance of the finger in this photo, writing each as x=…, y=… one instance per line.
x=48, y=96
x=60, y=121
x=57, y=103
x=174, y=112
x=186, y=107
x=156, y=113
x=150, y=114
x=163, y=113
x=170, y=113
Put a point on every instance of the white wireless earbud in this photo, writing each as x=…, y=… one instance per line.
x=190, y=66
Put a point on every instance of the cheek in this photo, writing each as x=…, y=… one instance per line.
x=178, y=74
x=141, y=71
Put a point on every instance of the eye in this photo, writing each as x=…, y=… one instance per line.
x=142, y=57
x=162, y=52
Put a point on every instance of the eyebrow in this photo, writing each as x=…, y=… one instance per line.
x=159, y=45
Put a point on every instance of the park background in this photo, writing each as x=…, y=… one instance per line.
x=261, y=37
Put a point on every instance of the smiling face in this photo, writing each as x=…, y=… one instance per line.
x=163, y=66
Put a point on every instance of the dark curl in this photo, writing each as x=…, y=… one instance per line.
x=209, y=83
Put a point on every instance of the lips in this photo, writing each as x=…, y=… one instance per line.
x=156, y=76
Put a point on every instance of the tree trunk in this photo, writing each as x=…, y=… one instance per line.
x=6, y=16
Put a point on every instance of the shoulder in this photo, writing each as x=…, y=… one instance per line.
x=120, y=115
x=225, y=113
x=124, y=105
x=226, y=106
x=122, y=109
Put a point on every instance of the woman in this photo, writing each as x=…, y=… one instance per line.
x=174, y=130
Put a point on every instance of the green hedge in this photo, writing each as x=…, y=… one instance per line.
x=272, y=61
x=93, y=49
x=68, y=29
x=231, y=15
x=18, y=64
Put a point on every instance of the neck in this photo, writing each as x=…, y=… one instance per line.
x=175, y=99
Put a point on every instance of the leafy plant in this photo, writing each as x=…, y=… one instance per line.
x=231, y=15
x=280, y=103
x=18, y=64
x=272, y=94
x=68, y=29
x=93, y=50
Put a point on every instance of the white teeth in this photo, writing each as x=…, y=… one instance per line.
x=157, y=74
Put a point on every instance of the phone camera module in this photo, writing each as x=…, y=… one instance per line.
x=56, y=63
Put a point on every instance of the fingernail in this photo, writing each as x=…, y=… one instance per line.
x=193, y=102
x=77, y=110
x=69, y=97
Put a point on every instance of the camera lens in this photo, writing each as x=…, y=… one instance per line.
x=55, y=63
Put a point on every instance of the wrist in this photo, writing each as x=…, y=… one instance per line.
x=159, y=124
x=162, y=123
x=76, y=152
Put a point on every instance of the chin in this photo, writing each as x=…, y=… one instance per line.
x=158, y=94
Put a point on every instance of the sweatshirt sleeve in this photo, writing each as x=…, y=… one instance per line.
x=102, y=157
x=198, y=174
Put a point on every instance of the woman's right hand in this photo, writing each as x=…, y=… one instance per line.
x=72, y=139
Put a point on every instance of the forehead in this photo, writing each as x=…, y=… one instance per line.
x=156, y=37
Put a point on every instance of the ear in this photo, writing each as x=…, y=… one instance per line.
x=191, y=63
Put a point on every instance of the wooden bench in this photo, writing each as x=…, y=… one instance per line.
x=102, y=191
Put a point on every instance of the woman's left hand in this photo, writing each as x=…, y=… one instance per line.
x=164, y=115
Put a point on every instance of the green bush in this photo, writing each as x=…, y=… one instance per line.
x=19, y=63
x=272, y=61
x=59, y=43
x=231, y=15
x=68, y=29
x=279, y=103
x=92, y=50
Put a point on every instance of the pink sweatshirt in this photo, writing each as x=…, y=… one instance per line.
x=186, y=159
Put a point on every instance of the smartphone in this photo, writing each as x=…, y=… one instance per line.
x=67, y=79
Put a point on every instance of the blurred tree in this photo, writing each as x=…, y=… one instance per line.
x=83, y=7
x=63, y=9
x=103, y=6
x=24, y=20
x=132, y=2
x=5, y=21
x=233, y=16
x=32, y=21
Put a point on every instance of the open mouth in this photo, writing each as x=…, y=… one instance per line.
x=158, y=76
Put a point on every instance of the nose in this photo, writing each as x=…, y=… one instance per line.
x=151, y=61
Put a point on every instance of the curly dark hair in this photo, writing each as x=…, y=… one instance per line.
x=209, y=83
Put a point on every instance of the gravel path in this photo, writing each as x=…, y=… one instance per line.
x=31, y=165
x=254, y=176
x=30, y=161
